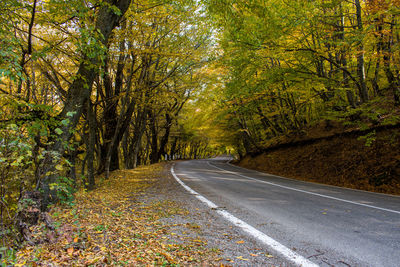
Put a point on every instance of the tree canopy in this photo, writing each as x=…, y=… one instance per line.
x=89, y=87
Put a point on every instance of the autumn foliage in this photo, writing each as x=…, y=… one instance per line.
x=115, y=225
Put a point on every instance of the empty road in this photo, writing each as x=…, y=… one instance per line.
x=326, y=225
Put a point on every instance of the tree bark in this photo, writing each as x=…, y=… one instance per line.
x=154, y=139
x=394, y=82
x=91, y=143
x=343, y=61
x=78, y=93
x=360, y=57
x=165, y=137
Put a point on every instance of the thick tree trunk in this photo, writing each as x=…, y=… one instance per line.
x=78, y=93
x=110, y=114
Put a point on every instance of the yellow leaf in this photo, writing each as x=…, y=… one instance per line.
x=240, y=242
x=59, y=167
x=241, y=258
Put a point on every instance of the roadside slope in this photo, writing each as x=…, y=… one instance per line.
x=355, y=161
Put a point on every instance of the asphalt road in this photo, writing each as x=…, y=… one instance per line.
x=327, y=225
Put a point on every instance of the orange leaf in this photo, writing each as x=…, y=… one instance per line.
x=70, y=251
x=240, y=242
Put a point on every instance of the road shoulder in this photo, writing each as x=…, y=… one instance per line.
x=141, y=217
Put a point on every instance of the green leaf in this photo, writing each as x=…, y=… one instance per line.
x=58, y=131
x=71, y=113
x=65, y=122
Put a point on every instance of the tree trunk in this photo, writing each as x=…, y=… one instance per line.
x=154, y=139
x=139, y=134
x=360, y=57
x=165, y=137
x=78, y=93
x=394, y=82
x=91, y=143
x=343, y=61
x=173, y=148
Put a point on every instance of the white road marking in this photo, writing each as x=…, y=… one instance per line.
x=327, y=185
x=273, y=244
x=306, y=192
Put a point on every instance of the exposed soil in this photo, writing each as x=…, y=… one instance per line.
x=352, y=159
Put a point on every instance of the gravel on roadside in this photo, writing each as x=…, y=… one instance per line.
x=205, y=226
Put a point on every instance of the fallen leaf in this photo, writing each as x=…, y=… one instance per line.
x=241, y=258
x=240, y=242
x=70, y=251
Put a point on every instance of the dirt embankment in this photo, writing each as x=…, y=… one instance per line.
x=353, y=159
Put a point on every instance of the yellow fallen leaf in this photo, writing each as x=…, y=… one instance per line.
x=168, y=257
x=240, y=242
x=268, y=256
x=241, y=258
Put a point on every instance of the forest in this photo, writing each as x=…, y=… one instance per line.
x=91, y=87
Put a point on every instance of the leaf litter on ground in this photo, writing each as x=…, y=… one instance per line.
x=112, y=226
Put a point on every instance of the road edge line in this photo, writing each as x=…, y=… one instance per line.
x=305, y=192
x=316, y=183
x=260, y=236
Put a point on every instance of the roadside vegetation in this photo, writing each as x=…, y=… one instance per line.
x=90, y=87
x=311, y=88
